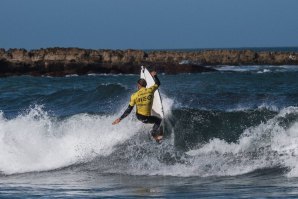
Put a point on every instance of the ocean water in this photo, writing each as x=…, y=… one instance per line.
x=229, y=134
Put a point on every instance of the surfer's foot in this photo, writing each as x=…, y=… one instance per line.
x=156, y=135
x=158, y=138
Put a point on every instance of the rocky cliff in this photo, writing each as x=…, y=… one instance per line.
x=62, y=61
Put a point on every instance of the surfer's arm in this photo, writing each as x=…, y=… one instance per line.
x=124, y=115
x=156, y=81
x=126, y=112
x=132, y=102
x=155, y=78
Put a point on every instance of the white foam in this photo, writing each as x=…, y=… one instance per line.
x=241, y=107
x=265, y=146
x=37, y=142
x=167, y=104
x=260, y=69
x=72, y=75
x=269, y=107
x=286, y=144
x=290, y=67
x=239, y=68
x=268, y=145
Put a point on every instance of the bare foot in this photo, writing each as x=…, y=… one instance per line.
x=158, y=138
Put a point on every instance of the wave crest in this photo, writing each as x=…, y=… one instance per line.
x=36, y=141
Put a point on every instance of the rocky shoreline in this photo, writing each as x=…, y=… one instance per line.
x=64, y=61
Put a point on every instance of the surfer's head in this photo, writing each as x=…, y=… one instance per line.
x=142, y=83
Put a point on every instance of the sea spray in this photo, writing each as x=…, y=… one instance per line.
x=233, y=134
x=38, y=142
x=268, y=145
x=257, y=148
x=212, y=141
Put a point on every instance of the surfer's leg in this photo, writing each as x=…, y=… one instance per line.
x=156, y=132
x=156, y=125
x=151, y=120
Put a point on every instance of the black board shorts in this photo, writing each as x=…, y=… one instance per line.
x=151, y=120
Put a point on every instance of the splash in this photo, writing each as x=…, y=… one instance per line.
x=259, y=69
x=35, y=141
x=272, y=144
x=269, y=145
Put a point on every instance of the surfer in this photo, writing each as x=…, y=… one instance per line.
x=143, y=99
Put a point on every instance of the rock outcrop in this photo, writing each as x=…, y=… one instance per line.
x=63, y=61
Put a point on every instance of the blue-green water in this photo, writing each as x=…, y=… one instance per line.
x=229, y=134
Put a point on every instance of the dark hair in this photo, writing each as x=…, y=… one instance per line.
x=142, y=82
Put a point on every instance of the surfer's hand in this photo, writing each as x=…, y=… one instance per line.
x=153, y=73
x=116, y=121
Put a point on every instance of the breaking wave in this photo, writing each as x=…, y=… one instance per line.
x=197, y=143
x=258, y=68
x=36, y=141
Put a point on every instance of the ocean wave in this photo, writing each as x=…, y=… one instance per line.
x=263, y=106
x=239, y=68
x=38, y=141
x=271, y=144
x=108, y=88
x=71, y=101
x=268, y=145
x=35, y=141
x=195, y=143
x=72, y=75
x=259, y=69
x=77, y=94
x=110, y=74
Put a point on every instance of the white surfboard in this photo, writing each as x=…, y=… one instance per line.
x=157, y=109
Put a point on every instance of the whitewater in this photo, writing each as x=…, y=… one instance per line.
x=236, y=129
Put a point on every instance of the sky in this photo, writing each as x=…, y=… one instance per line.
x=148, y=24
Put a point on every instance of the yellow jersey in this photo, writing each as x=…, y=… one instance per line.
x=143, y=99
